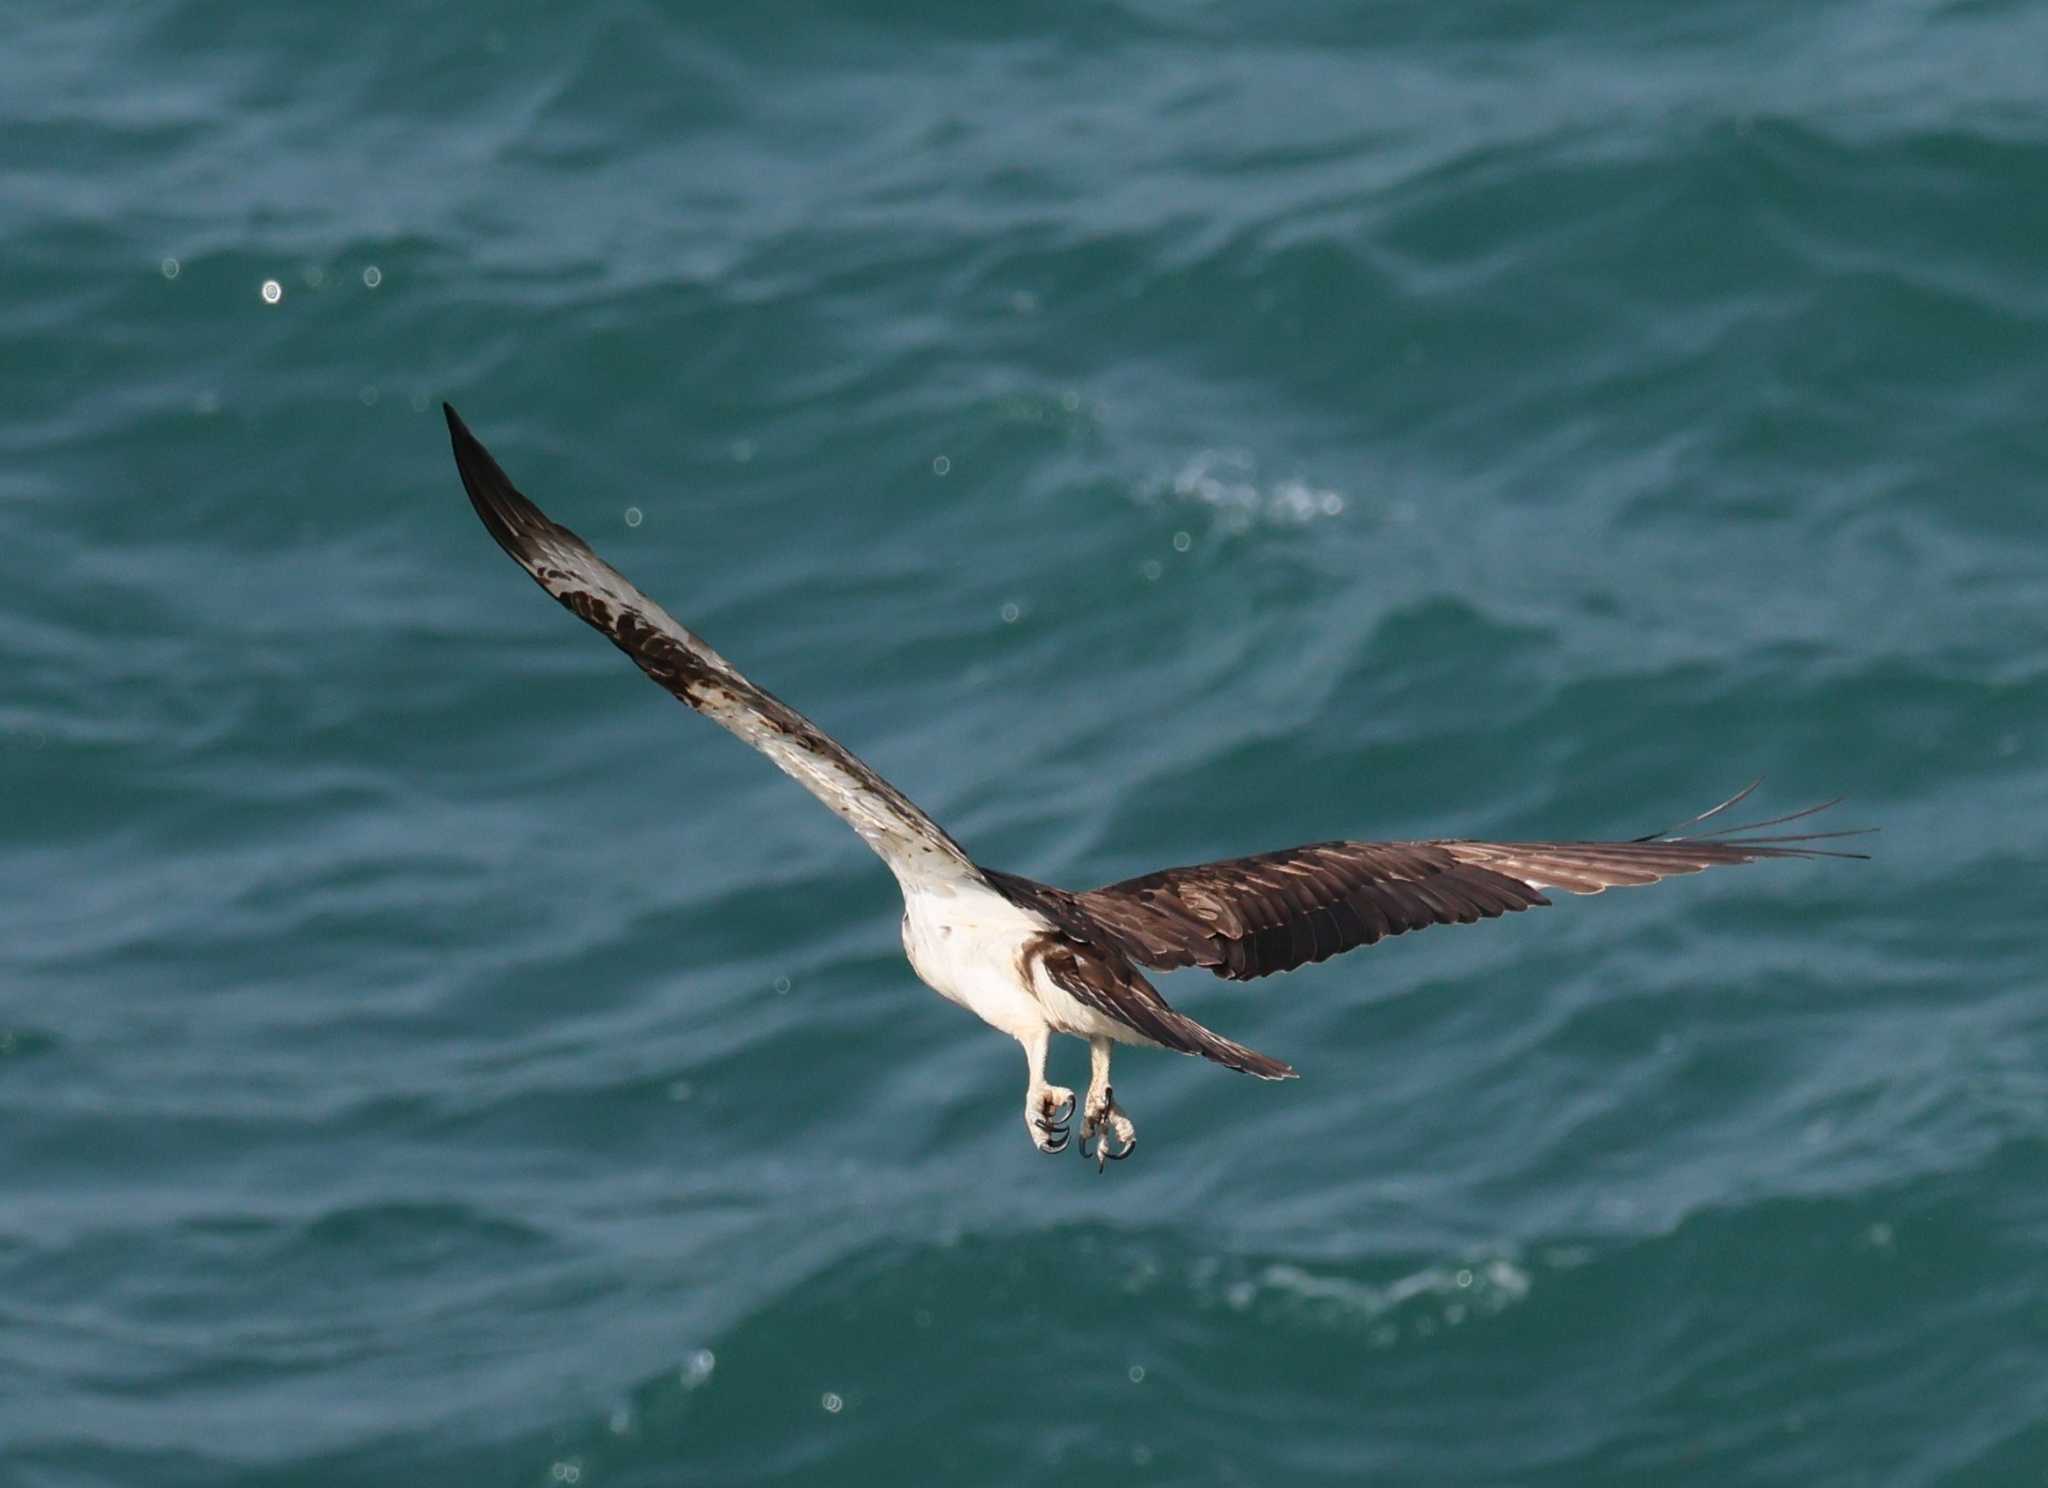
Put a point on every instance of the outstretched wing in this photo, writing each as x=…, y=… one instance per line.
x=564, y=565
x=1248, y=917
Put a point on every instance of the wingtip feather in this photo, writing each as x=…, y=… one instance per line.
x=465, y=443
x=1783, y=844
x=511, y=519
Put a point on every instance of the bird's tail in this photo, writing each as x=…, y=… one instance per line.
x=1193, y=1038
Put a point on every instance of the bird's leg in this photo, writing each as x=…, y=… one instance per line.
x=1047, y=1108
x=1102, y=1118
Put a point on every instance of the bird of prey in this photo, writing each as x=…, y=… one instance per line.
x=1032, y=960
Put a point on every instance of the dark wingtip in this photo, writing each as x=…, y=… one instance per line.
x=507, y=515
x=1779, y=845
x=458, y=431
x=465, y=444
x=471, y=458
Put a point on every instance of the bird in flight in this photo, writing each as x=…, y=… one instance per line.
x=1032, y=960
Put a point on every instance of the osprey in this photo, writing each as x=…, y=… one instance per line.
x=1033, y=960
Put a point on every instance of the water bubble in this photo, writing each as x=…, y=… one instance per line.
x=1136, y=1373
x=622, y=1420
x=170, y=266
x=1023, y=301
x=1011, y=612
x=922, y=1317
x=940, y=465
x=418, y=402
x=372, y=277
x=1182, y=542
x=272, y=291
x=832, y=1403
x=1141, y=1455
x=368, y=393
x=314, y=275
x=206, y=404
x=633, y=516
x=742, y=451
x=1071, y=401
x=782, y=986
x=680, y=1090
x=1151, y=569
x=566, y=1472
x=1464, y=1278
x=697, y=1368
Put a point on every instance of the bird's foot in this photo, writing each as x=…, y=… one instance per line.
x=1047, y=1114
x=1104, y=1122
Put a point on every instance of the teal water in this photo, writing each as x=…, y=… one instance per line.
x=1147, y=432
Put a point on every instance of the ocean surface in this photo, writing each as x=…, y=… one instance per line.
x=1147, y=432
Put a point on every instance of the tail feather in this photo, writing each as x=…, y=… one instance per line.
x=1195, y=1039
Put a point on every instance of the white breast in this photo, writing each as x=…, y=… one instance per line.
x=966, y=946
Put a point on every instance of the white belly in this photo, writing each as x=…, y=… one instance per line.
x=967, y=946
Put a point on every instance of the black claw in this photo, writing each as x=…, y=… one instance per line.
x=1103, y=1154
x=1065, y=1113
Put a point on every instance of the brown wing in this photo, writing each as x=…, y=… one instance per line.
x=1248, y=917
